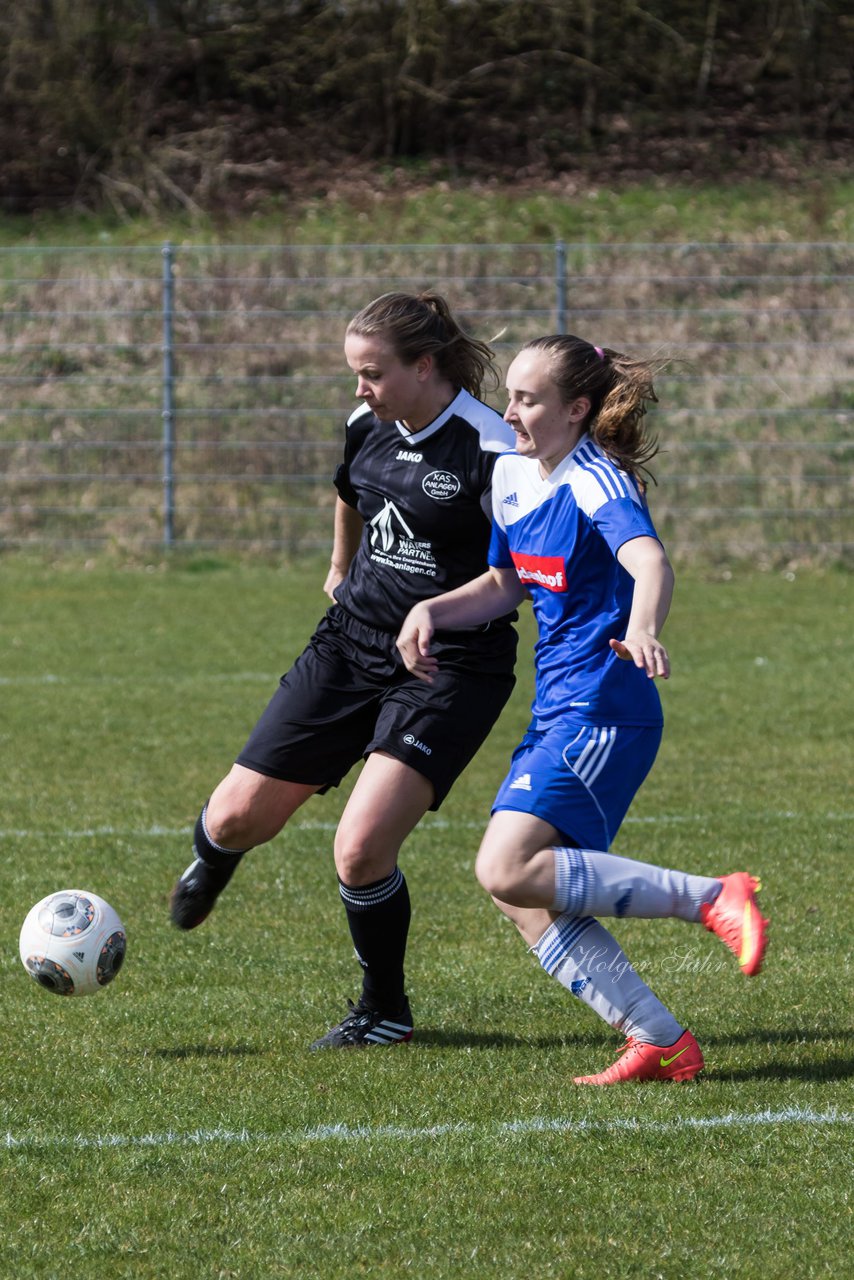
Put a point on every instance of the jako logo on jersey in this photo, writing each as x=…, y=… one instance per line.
x=412, y=741
x=406, y=455
x=441, y=485
x=545, y=571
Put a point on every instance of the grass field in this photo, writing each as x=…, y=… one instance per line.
x=175, y=1125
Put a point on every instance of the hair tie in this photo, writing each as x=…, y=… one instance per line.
x=600, y=353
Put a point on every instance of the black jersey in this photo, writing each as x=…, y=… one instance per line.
x=426, y=502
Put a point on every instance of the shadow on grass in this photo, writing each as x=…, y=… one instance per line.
x=206, y=1051
x=779, y=1064
x=776, y=1067
x=815, y=1072
x=782, y=1035
x=442, y=1038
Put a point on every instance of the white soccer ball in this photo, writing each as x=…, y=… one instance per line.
x=72, y=943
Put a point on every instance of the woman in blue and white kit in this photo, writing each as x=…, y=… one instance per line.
x=572, y=531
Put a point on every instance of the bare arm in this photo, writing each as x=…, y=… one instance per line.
x=347, y=534
x=493, y=594
x=645, y=559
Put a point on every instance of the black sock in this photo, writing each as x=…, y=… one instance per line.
x=222, y=861
x=378, y=915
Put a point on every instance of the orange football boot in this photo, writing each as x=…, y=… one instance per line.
x=735, y=917
x=638, y=1061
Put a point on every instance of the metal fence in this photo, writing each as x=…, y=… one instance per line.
x=195, y=395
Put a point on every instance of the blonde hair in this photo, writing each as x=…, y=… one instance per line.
x=423, y=324
x=620, y=390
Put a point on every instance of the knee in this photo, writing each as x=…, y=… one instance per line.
x=496, y=874
x=240, y=817
x=357, y=859
x=249, y=808
x=230, y=824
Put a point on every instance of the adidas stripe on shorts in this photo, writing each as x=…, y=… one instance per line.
x=581, y=779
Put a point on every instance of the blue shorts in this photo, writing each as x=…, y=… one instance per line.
x=581, y=780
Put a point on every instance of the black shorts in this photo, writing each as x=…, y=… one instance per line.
x=349, y=694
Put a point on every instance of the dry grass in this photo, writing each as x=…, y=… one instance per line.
x=755, y=418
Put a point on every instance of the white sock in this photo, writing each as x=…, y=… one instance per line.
x=606, y=885
x=587, y=960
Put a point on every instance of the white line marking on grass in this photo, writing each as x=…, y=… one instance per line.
x=652, y=820
x=93, y=833
x=428, y=824
x=369, y=1133
x=221, y=677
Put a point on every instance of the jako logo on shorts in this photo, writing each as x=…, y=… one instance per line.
x=542, y=571
x=411, y=741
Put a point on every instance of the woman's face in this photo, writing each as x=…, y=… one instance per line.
x=546, y=428
x=393, y=390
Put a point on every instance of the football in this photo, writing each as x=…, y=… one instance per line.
x=72, y=943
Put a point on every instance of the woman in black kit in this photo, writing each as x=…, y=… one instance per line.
x=412, y=520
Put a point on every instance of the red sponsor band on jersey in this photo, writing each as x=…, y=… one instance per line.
x=544, y=571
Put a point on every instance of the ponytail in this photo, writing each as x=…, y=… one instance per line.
x=620, y=390
x=423, y=324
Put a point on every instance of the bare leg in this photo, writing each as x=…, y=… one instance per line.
x=515, y=863
x=523, y=861
x=516, y=859
x=248, y=808
x=387, y=802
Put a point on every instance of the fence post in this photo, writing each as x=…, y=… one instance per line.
x=560, y=285
x=168, y=399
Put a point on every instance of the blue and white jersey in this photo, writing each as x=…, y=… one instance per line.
x=562, y=534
